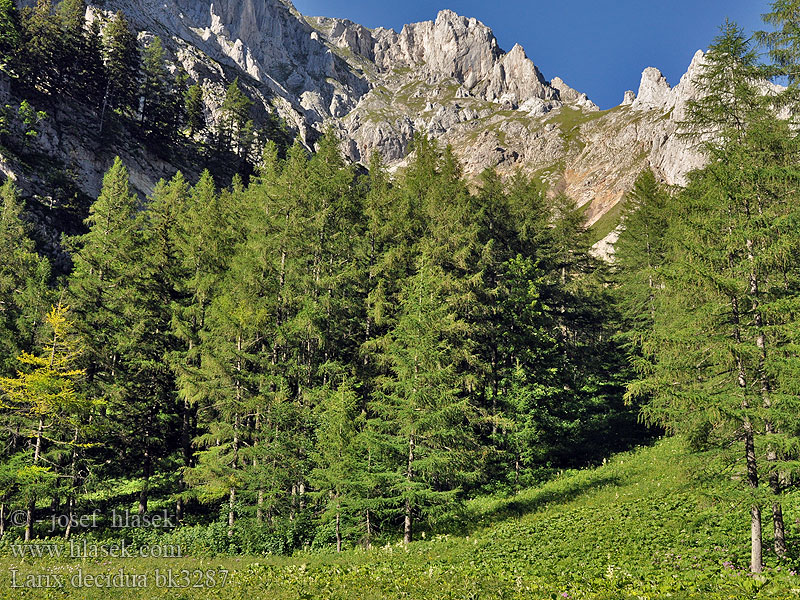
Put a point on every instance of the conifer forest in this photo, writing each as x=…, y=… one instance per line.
x=283, y=353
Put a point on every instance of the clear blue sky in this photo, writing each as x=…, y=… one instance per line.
x=597, y=46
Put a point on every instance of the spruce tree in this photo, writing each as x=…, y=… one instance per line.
x=40, y=48
x=123, y=62
x=195, y=116
x=232, y=127
x=24, y=280
x=122, y=311
x=72, y=52
x=9, y=33
x=161, y=105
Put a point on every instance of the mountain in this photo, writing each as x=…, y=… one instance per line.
x=377, y=87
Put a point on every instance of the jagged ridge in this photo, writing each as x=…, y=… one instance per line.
x=446, y=77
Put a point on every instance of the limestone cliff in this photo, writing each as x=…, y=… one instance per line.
x=447, y=77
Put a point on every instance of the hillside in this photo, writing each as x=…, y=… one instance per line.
x=447, y=78
x=634, y=528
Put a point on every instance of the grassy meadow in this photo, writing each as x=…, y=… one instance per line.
x=634, y=528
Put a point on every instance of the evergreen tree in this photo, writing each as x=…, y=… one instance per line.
x=9, y=33
x=420, y=415
x=640, y=256
x=123, y=61
x=337, y=458
x=93, y=75
x=722, y=350
x=195, y=117
x=72, y=58
x=24, y=279
x=45, y=393
x=213, y=322
x=102, y=261
x=783, y=42
x=161, y=105
x=232, y=129
x=123, y=326
x=38, y=61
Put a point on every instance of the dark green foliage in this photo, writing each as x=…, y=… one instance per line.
x=122, y=60
x=162, y=104
x=9, y=32
x=235, y=129
x=40, y=49
x=333, y=359
x=640, y=257
x=195, y=117
x=24, y=280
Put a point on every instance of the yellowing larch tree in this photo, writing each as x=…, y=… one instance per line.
x=45, y=399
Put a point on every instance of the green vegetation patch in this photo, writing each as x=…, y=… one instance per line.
x=608, y=222
x=638, y=527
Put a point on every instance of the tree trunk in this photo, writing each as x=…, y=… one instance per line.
x=146, y=472
x=232, y=496
x=29, y=520
x=338, y=533
x=231, y=515
x=74, y=476
x=780, y=532
x=749, y=443
x=369, y=532
x=2, y=519
x=103, y=110
x=769, y=428
x=407, y=524
x=755, y=510
x=407, y=521
x=756, y=564
x=37, y=453
x=186, y=449
x=260, y=496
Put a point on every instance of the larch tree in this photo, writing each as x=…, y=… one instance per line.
x=24, y=279
x=722, y=349
x=639, y=257
x=46, y=392
x=420, y=416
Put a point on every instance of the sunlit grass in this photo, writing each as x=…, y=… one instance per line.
x=640, y=526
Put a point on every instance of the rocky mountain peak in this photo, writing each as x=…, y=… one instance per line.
x=447, y=77
x=655, y=93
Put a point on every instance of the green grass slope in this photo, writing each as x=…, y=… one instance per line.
x=638, y=527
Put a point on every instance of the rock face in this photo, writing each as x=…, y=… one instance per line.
x=629, y=98
x=655, y=92
x=377, y=87
x=671, y=155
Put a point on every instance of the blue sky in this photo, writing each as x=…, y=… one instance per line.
x=597, y=46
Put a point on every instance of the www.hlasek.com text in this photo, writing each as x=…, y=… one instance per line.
x=85, y=549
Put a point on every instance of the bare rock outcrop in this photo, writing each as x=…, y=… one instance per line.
x=629, y=98
x=571, y=96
